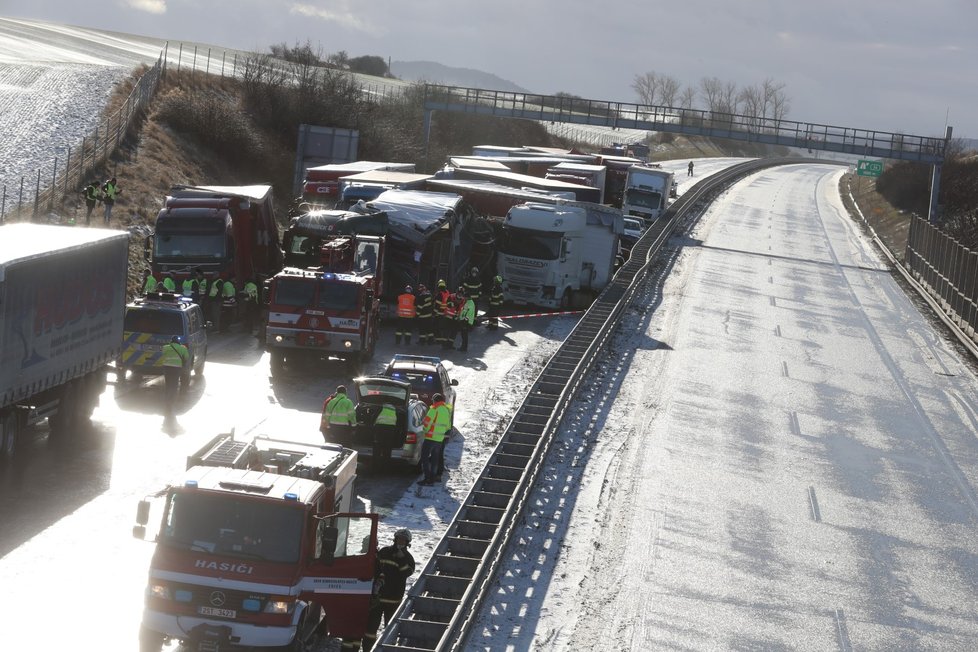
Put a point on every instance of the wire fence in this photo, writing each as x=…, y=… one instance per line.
x=948, y=270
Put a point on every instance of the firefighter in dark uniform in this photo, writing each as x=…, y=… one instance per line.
x=406, y=313
x=495, y=303
x=441, y=300
x=200, y=289
x=473, y=286
x=395, y=565
x=450, y=325
x=423, y=305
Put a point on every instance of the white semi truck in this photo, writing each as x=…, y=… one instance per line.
x=558, y=255
x=647, y=192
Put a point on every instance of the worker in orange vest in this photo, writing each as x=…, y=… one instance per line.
x=406, y=312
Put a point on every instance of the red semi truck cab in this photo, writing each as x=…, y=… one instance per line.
x=257, y=547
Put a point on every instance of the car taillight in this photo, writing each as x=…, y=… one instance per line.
x=410, y=438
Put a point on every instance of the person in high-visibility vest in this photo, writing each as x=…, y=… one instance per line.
x=214, y=302
x=251, y=305
x=92, y=194
x=200, y=287
x=466, y=319
x=473, y=285
x=440, y=300
x=406, y=312
x=339, y=417
x=149, y=282
x=169, y=285
x=229, y=301
x=176, y=357
x=449, y=326
x=188, y=287
x=437, y=423
x=423, y=304
x=495, y=303
x=384, y=432
x=110, y=190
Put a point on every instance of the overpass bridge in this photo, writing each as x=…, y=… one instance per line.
x=864, y=143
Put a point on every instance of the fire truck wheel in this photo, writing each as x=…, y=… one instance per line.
x=150, y=641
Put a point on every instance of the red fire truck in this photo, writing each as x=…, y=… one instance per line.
x=257, y=547
x=332, y=311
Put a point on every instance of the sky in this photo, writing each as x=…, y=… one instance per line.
x=903, y=66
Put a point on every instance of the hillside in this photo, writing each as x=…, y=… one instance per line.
x=437, y=73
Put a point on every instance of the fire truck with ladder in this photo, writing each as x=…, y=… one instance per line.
x=331, y=311
x=257, y=547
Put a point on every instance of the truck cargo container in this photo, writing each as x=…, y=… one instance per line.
x=322, y=183
x=594, y=176
x=369, y=185
x=62, y=305
x=514, y=180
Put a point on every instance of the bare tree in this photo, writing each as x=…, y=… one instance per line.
x=668, y=90
x=751, y=101
x=687, y=98
x=647, y=87
x=710, y=90
x=776, y=102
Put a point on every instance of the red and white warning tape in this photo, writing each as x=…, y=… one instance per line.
x=543, y=314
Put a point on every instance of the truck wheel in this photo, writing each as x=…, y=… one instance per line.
x=150, y=641
x=62, y=420
x=9, y=432
x=567, y=299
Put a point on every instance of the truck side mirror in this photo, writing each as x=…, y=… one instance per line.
x=142, y=512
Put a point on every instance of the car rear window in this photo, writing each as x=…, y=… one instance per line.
x=419, y=380
x=372, y=393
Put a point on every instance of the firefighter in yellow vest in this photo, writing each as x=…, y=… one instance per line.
x=339, y=417
x=406, y=312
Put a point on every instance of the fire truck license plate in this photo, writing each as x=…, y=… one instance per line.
x=213, y=611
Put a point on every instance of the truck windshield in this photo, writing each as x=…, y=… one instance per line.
x=338, y=297
x=190, y=246
x=294, y=292
x=643, y=198
x=531, y=244
x=231, y=525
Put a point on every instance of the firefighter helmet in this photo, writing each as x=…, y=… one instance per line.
x=408, y=289
x=437, y=397
x=403, y=533
x=498, y=279
x=474, y=271
x=442, y=283
x=341, y=389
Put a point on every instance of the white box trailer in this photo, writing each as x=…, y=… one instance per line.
x=62, y=306
x=558, y=255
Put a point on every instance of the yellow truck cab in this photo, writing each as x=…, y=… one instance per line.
x=150, y=323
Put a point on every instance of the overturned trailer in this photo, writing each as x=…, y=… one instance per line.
x=429, y=237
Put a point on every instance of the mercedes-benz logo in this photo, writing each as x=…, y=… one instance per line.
x=218, y=599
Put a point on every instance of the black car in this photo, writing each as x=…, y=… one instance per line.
x=427, y=375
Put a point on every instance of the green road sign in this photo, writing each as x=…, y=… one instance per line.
x=867, y=168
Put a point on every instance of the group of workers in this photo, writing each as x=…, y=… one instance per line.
x=105, y=193
x=217, y=297
x=442, y=317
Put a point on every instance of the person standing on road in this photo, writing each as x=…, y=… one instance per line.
x=495, y=303
x=423, y=305
x=339, y=416
x=689, y=169
x=442, y=296
x=175, y=358
x=384, y=433
x=251, y=305
x=406, y=312
x=451, y=320
x=214, y=302
x=466, y=318
x=437, y=423
x=169, y=285
x=473, y=285
x=149, y=282
x=229, y=298
x=110, y=190
x=200, y=287
x=394, y=566
x=92, y=195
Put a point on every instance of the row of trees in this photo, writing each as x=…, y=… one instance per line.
x=765, y=100
x=305, y=55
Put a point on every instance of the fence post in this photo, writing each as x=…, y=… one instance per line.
x=207, y=66
x=193, y=68
x=234, y=70
x=54, y=186
x=224, y=55
x=180, y=57
x=3, y=205
x=37, y=190
x=64, y=190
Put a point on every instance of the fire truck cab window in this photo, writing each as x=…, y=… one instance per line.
x=367, y=257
